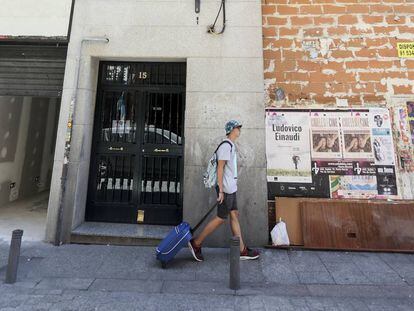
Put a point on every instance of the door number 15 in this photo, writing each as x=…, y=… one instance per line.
x=143, y=75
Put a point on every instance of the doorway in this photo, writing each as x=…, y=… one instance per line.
x=136, y=169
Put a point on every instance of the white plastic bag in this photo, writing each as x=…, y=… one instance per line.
x=279, y=234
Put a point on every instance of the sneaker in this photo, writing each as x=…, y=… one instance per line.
x=249, y=254
x=195, y=250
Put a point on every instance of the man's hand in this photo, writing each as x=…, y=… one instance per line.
x=220, y=198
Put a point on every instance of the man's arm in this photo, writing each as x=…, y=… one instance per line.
x=220, y=172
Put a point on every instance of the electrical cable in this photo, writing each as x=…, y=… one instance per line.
x=211, y=28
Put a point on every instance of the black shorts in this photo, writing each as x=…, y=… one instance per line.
x=229, y=204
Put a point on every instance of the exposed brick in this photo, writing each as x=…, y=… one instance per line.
x=362, y=53
x=287, y=10
x=402, y=89
x=347, y=19
x=268, y=9
x=273, y=21
x=301, y=20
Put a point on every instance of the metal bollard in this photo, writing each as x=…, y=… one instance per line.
x=235, y=263
x=14, y=253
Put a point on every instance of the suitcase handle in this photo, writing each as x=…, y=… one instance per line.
x=204, y=218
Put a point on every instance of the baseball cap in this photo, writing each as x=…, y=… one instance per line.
x=231, y=125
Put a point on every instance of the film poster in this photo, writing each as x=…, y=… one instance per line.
x=356, y=136
x=325, y=138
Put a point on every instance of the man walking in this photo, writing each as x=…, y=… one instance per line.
x=226, y=195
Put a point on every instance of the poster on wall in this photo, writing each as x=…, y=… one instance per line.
x=350, y=154
x=356, y=136
x=410, y=112
x=386, y=181
x=382, y=141
x=401, y=129
x=353, y=186
x=287, y=139
x=325, y=136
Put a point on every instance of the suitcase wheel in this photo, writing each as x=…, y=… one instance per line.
x=163, y=265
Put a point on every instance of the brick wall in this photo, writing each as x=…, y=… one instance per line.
x=320, y=50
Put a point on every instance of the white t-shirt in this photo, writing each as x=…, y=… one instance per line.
x=228, y=154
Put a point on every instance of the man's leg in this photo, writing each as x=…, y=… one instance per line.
x=235, y=227
x=245, y=252
x=195, y=243
x=210, y=228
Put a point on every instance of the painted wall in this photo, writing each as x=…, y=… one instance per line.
x=224, y=81
x=22, y=147
x=48, y=18
x=14, y=114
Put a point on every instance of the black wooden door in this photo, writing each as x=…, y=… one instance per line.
x=137, y=157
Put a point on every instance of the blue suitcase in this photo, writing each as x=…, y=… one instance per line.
x=176, y=240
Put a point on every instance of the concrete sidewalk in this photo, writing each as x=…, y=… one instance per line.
x=90, y=277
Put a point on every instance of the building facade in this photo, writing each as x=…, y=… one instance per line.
x=145, y=88
x=150, y=90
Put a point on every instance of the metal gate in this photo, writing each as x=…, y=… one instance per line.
x=137, y=157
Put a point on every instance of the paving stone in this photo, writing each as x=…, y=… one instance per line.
x=321, y=303
x=402, y=268
x=389, y=304
x=277, y=268
x=103, y=300
x=306, y=261
x=354, y=304
x=45, y=296
x=322, y=277
x=37, y=249
x=51, y=292
x=350, y=278
x=126, y=285
x=397, y=291
x=392, y=258
x=409, y=280
x=370, y=262
x=219, y=270
x=273, y=290
x=299, y=303
x=241, y=303
x=125, y=263
x=346, y=273
x=197, y=287
x=79, y=261
x=64, y=283
x=273, y=303
x=26, y=265
x=190, y=302
x=385, y=278
x=361, y=291
x=26, y=284
x=4, y=254
x=11, y=300
x=345, y=291
x=333, y=256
